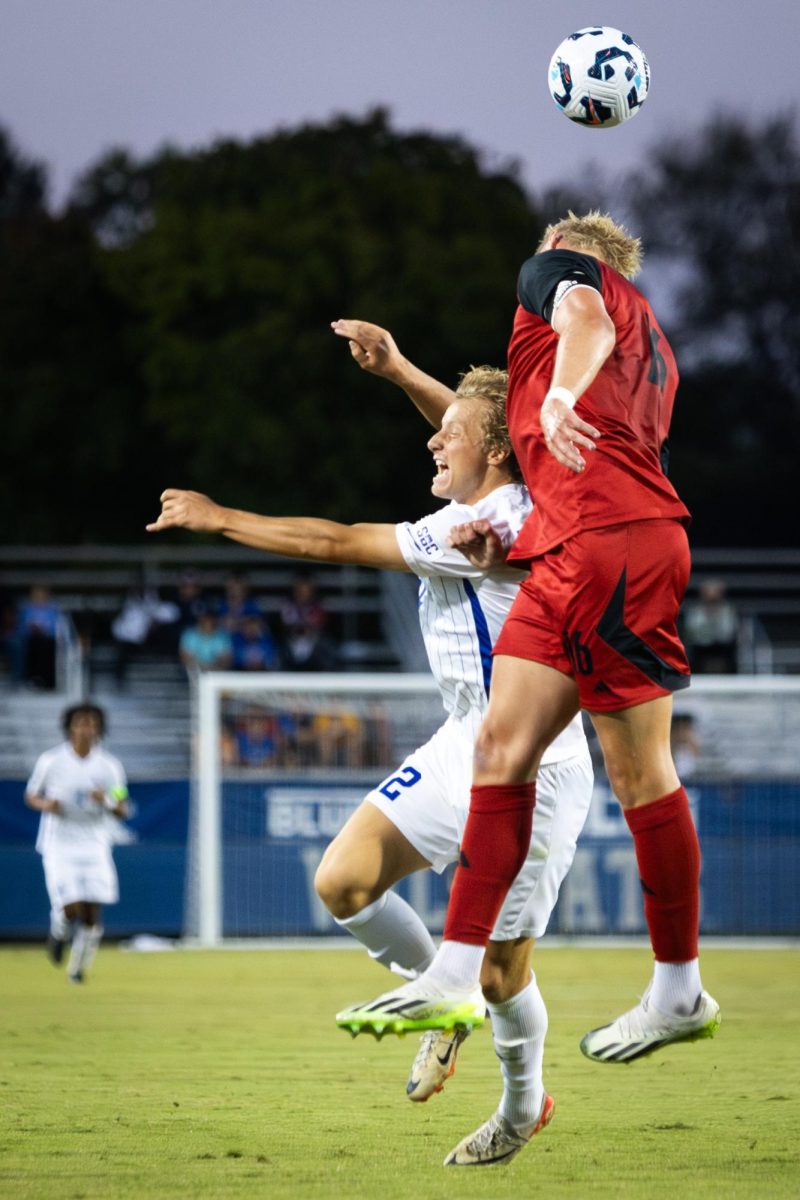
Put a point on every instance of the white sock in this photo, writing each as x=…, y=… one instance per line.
x=393, y=933
x=84, y=947
x=519, y=1026
x=94, y=935
x=59, y=925
x=457, y=964
x=676, y=987
x=76, y=953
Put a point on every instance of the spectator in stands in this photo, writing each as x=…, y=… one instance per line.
x=341, y=739
x=205, y=646
x=140, y=627
x=685, y=744
x=253, y=646
x=190, y=600
x=711, y=627
x=303, y=621
x=39, y=621
x=237, y=604
x=259, y=739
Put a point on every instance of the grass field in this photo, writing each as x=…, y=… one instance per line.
x=222, y=1075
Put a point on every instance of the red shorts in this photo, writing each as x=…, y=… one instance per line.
x=603, y=608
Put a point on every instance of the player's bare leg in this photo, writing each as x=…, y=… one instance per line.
x=59, y=934
x=519, y=1027
x=354, y=879
x=509, y=747
x=359, y=867
x=512, y=739
x=636, y=748
x=87, y=938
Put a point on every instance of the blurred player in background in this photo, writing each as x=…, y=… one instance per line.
x=81, y=792
x=594, y=625
x=415, y=818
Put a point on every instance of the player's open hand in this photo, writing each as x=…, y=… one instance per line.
x=373, y=348
x=187, y=510
x=564, y=432
x=479, y=542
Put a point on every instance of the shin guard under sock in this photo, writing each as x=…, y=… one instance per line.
x=668, y=856
x=494, y=847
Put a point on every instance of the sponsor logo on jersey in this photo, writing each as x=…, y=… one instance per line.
x=427, y=543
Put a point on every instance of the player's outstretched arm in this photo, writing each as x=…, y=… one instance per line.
x=479, y=543
x=375, y=350
x=309, y=538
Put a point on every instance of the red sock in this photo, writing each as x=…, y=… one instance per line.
x=494, y=847
x=668, y=854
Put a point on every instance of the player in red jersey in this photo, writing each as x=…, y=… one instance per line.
x=592, y=381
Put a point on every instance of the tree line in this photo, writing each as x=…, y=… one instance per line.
x=171, y=324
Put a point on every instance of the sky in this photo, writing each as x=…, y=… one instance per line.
x=80, y=76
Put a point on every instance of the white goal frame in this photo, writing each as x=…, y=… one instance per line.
x=211, y=687
x=207, y=765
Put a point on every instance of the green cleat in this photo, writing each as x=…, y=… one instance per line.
x=413, y=1008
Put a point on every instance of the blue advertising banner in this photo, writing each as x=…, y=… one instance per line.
x=274, y=835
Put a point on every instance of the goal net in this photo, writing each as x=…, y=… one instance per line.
x=280, y=763
x=282, y=760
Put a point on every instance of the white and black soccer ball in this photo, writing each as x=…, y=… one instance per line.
x=599, y=77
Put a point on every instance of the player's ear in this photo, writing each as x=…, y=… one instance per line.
x=498, y=456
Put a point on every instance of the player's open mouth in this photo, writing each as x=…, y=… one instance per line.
x=441, y=467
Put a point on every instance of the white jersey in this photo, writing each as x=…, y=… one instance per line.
x=462, y=609
x=83, y=824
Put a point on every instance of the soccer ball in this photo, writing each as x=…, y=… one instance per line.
x=599, y=77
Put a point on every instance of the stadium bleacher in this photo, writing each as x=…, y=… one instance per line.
x=372, y=619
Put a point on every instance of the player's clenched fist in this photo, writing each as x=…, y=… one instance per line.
x=188, y=510
x=479, y=542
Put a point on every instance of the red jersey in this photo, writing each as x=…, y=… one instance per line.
x=630, y=402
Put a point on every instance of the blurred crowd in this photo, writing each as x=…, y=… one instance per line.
x=233, y=631
x=341, y=736
x=228, y=633
x=195, y=624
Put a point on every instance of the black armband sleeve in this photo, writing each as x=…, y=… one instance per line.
x=541, y=275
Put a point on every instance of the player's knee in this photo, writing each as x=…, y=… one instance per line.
x=498, y=983
x=635, y=782
x=498, y=759
x=342, y=896
x=328, y=887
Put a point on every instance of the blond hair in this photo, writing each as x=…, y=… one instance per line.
x=598, y=234
x=490, y=385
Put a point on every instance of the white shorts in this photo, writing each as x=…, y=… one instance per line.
x=427, y=799
x=78, y=876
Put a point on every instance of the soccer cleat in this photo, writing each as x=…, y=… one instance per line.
x=75, y=977
x=434, y=1063
x=415, y=1006
x=55, y=949
x=644, y=1029
x=497, y=1140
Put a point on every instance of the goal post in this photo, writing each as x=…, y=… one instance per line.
x=281, y=760
x=265, y=744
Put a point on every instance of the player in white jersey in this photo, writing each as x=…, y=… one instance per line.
x=415, y=818
x=81, y=792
